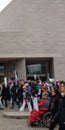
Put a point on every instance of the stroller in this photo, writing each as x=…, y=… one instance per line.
x=41, y=117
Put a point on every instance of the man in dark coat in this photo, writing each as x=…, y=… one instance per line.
x=62, y=107
x=13, y=94
x=62, y=114
x=4, y=95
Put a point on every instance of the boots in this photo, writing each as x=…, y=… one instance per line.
x=23, y=106
x=29, y=106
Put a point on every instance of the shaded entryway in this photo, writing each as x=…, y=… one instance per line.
x=39, y=68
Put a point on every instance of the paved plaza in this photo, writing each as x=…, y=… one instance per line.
x=15, y=123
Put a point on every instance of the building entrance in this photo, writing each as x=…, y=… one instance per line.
x=39, y=68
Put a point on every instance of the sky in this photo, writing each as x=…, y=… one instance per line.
x=4, y=4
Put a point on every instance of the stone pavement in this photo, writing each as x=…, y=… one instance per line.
x=12, y=123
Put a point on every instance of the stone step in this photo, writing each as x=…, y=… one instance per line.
x=16, y=115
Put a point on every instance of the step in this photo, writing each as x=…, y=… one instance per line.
x=16, y=115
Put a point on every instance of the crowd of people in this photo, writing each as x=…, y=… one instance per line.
x=31, y=94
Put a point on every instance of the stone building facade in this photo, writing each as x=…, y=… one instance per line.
x=32, y=32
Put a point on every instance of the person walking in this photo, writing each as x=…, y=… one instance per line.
x=26, y=98
x=4, y=95
x=54, y=107
x=13, y=95
x=62, y=106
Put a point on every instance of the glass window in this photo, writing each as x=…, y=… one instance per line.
x=36, y=69
x=1, y=68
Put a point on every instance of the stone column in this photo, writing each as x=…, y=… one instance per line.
x=59, y=68
x=21, y=69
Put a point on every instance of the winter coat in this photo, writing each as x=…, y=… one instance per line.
x=5, y=92
x=62, y=112
x=13, y=91
x=55, y=109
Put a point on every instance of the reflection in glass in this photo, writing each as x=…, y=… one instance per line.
x=35, y=69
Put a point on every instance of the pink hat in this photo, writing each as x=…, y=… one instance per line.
x=42, y=85
x=24, y=87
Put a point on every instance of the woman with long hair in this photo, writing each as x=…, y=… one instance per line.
x=54, y=107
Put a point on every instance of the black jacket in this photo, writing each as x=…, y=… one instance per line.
x=54, y=108
x=59, y=111
x=62, y=112
x=5, y=93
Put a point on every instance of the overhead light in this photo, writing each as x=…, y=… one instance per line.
x=4, y=4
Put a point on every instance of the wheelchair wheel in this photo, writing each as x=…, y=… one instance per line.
x=46, y=119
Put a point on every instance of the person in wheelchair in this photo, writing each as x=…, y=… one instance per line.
x=36, y=115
